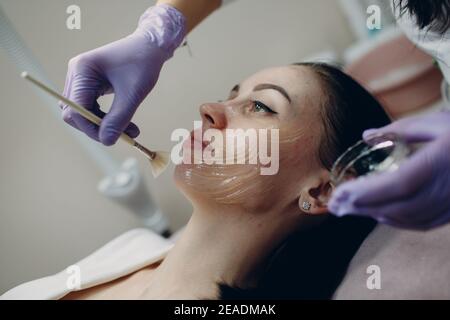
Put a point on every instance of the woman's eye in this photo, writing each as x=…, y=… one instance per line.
x=261, y=107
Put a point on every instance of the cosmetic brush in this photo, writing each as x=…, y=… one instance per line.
x=159, y=160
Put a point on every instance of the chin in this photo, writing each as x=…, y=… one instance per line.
x=182, y=177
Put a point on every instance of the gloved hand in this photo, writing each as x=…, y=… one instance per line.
x=129, y=68
x=415, y=196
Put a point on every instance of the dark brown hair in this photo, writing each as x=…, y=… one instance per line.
x=310, y=264
x=431, y=14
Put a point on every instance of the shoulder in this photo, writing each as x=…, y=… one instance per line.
x=123, y=255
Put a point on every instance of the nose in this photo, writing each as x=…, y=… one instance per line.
x=213, y=115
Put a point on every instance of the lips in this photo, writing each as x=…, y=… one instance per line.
x=196, y=141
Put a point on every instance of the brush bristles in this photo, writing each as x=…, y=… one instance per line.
x=159, y=163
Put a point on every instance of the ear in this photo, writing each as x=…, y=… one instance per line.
x=315, y=194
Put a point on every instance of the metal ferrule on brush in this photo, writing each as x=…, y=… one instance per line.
x=150, y=154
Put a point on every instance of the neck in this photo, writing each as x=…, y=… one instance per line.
x=218, y=245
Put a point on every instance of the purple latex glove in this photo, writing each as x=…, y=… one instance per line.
x=417, y=195
x=129, y=68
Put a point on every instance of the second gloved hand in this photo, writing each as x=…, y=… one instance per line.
x=415, y=196
x=129, y=68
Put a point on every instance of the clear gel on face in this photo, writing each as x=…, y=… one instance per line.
x=239, y=183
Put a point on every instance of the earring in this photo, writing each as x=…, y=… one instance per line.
x=306, y=205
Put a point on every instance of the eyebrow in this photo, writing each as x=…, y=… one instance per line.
x=265, y=86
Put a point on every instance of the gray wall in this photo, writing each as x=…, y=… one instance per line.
x=50, y=212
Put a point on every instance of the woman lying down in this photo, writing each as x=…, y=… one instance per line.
x=250, y=235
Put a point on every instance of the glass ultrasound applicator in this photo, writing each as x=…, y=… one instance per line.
x=158, y=159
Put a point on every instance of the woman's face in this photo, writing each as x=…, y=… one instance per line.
x=286, y=100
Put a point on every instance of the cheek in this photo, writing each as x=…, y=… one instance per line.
x=297, y=149
x=231, y=182
x=244, y=184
